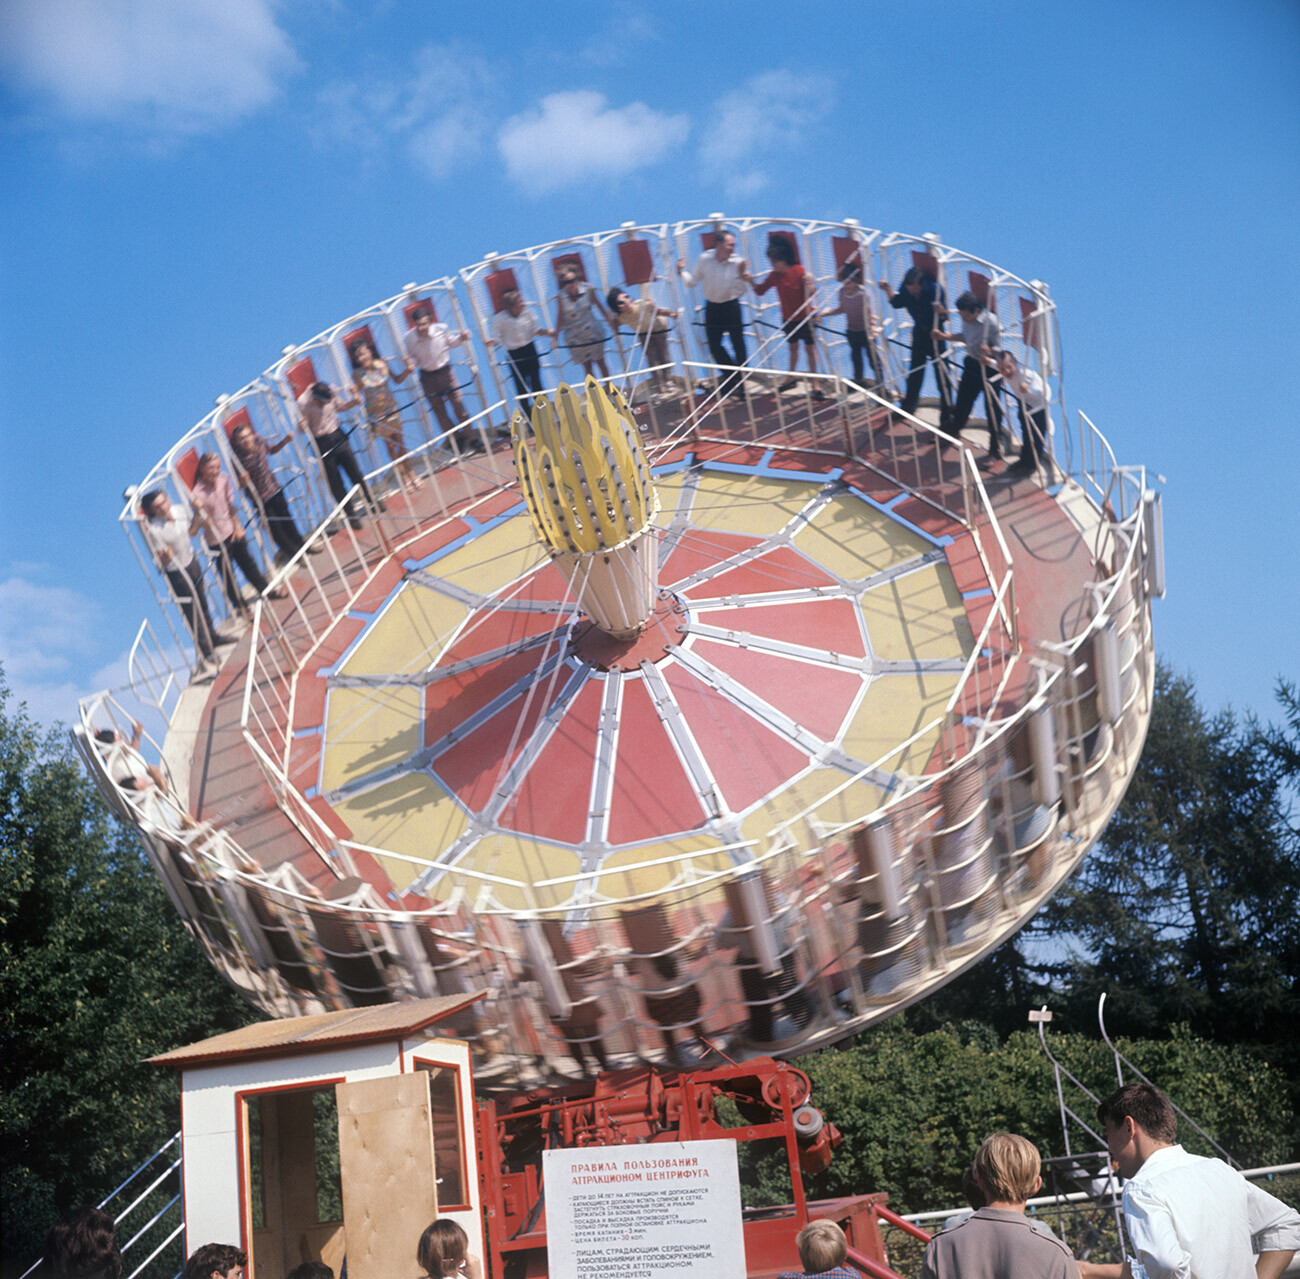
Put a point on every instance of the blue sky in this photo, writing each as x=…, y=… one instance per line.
x=192, y=184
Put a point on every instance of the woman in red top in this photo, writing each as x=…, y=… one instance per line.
x=795, y=287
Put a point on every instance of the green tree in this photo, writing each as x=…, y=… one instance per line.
x=96, y=973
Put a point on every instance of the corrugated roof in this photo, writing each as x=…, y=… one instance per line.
x=289, y=1036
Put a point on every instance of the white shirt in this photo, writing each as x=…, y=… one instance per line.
x=322, y=418
x=1035, y=395
x=719, y=281
x=434, y=351
x=1194, y=1218
x=514, y=331
x=172, y=536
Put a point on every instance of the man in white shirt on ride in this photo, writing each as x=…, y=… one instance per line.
x=428, y=347
x=724, y=279
x=1186, y=1217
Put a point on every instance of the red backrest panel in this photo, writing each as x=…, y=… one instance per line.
x=573, y=260
x=301, y=375
x=499, y=283
x=847, y=249
x=787, y=237
x=412, y=309
x=637, y=262
x=927, y=262
x=1029, y=322
x=363, y=334
x=187, y=467
x=979, y=286
x=235, y=421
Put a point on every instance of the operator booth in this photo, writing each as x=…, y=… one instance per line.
x=330, y=1137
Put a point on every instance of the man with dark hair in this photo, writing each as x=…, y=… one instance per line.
x=981, y=335
x=1187, y=1217
x=310, y=1270
x=724, y=279
x=319, y=407
x=215, y=1261
x=923, y=298
x=80, y=1245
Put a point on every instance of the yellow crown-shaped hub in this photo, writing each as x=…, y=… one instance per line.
x=583, y=470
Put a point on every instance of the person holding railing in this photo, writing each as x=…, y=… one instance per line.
x=649, y=325
x=319, y=407
x=167, y=530
x=514, y=329
x=795, y=289
x=1031, y=394
x=981, y=335
x=428, y=349
x=371, y=377
x=253, y=455
x=861, y=327
x=923, y=298
x=723, y=279
x=214, y=500
x=578, y=312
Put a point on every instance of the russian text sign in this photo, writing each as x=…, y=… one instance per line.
x=667, y=1210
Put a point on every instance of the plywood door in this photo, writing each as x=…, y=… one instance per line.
x=386, y=1156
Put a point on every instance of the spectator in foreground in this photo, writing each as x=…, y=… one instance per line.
x=214, y=500
x=215, y=1261
x=795, y=288
x=319, y=405
x=513, y=329
x=998, y=1242
x=723, y=278
x=80, y=1245
x=1185, y=1215
x=822, y=1250
x=168, y=530
x=310, y=1270
x=444, y=1251
x=428, y=348
x=924, y=300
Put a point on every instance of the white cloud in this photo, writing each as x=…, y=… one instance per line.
x=576, y=136
x=173, y=66
x=766, y=120
x=437, y=111
x=47, y=634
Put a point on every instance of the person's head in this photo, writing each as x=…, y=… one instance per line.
x=322, y=392
x=107, y=736
x=724, y=245
x=822, y=1246
x=617, y=299
x=780, y=254
x=422, y=319
x=968, y=304
x=1007, y=1168
x=570, y=280
x=156, y=504
x=913, y=278
x=80, y=1245
x=215, y=1261
x=1006, y=363
x=1136, y=1120
x=241, y=438
x=310, y=1270
x=362, y=354
x=442, y=1248
x=209, y=467
x=970, y=1188
x=851, y=274
x=513, y=301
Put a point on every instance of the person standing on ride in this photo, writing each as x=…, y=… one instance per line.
x=319, y=405
x=513, y=329
x=214, y=500
x=649, y=325
x=578, y=312
x=1032, y=394
x=253, y=454
x=168, y=530
x=723, y=278
x=371, y=377
x=795, y=288
x=428, y=348
x=981, y=335
x=923, y=298
x=860, y=324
